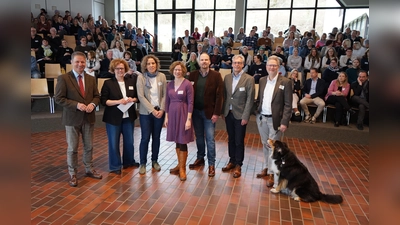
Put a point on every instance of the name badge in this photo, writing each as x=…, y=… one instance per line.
x=241, y=89
x=36, y=40
x=159, y=83
x=259, y=69
x=180, y=92
x=343, y=89
x=130, y=88
x=281, y=87
x=192, y=82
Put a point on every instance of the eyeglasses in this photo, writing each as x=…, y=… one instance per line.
x=272, y=65
x=120, y=68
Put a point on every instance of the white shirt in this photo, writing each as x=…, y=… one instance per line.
x=268, y=92
x=154, y=91
x=123, y=91
x=235, y=81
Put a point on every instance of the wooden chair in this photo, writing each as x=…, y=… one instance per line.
x=250, y=52
x=224, y=72
x=100, y=83
x=41, y=35
x=127, y=43
x=33, y=53
x=236, y=45
x=68, y=67
x=39, y=90
x=309, y=75
x=71, y=41
x=235, y=51
x=52, y=70
x=256, y=89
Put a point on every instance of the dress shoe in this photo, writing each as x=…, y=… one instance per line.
x=94, y=174
x=228, y=167
x=263, y=173
x=270, y=181
x=135, y=164
x=211, y=171
x=118, y=172
x=237, y=172
x=197, y=163
x=73, y=182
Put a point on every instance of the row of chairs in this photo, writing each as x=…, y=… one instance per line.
x=40, y=90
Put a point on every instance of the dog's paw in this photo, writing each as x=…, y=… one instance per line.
x=274, y=190
x=297, y=199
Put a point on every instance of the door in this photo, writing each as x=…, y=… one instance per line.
x=170, y=27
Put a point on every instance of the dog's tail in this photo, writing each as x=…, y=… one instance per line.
x=333, y=199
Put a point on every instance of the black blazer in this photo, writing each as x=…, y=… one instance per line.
x=111, y=91
x=319, y=89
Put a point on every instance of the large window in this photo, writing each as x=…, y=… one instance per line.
x=127, y=5
x=129, y=18
x=303, y=19
x=328, y=19
x=255, y=18
x=278, y=20
x=146, y=21
x=204, y=4
x=203, y=19
x=257, y=4
x=163, y=4
x=183, y=4
x=223, y=20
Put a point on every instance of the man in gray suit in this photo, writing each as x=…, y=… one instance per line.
x=238, y=102
x=77, y=93
x=274, y=112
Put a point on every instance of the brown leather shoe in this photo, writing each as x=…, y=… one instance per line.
x=197, y=163
x=73, y=182
x=211, y=171
x=237, y=172
x=263, y=173
x=270, y=181
x=228, y=167
x=94, y=174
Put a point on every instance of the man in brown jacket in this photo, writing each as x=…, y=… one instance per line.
x=208, y=88
x=77, y=93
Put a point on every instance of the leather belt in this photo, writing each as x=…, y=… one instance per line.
x=267, y=115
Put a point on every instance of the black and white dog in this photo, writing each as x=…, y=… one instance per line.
x=295, y=177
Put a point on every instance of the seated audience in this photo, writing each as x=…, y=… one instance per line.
x=346, y=61
x=92, y=63
x=105, y=64
x=257, y=69
x=192, y=64
x=331, y=72
x=294, y=61
x=64, y=54
x=226, y=60
x=313, y=90
x=131, y=63
x=321, y=42
x=365, y=61
x=83, y=47
x=280, y=54
x=312, y=61
x=247, y=58
x=101, y=51
x=361, y=96
x=118, y=50
x=352, y=73
x=183, y=54
x=215, y=59
x=337, y=96
x=326, y=60
x=46, y=54
x=35, y=73
x=294, y=76
x=137, y=54
x=358, y=50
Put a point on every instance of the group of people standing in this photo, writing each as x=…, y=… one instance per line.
x=189, y=108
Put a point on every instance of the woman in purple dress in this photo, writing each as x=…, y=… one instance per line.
x=178, y=115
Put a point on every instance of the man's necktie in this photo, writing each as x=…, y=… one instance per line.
x=81, y=88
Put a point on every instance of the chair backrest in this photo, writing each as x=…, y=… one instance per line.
x=71, y=41
x=309, y=75
x=100, y=82
x=41, y=35
x=250, y=52
x=127, y=42
x=236, y=45
x=55, y=84
x=68, y=67
x=235, y=51
x=33, y=53
x=52, y=70
x=279, y=40
x=256, y=89
x=224, y=72
x=39, y=87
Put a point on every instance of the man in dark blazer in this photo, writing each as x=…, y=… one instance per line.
x=314, y=90
x=208, y=88
x=273, y=113
x=77, y=93
x=361, y=96
x=238, y=102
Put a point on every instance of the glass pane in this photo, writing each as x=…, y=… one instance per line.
x=129, y=17
x=256, y=4
x=128, y=5
x=278, y=20
x=328, y=3
x=352, y=14
x=226, y=4
x=164, y=32
x=279, y=4
x=182, y=24
x=183, y=4
x=203, y=19
x=164, y=4
x=145, y=5
x=205, y=4
x=303, y=19
x=146, y=21
x=223, y=20
x=308, y=3
x=327, y=19
x=256, y=18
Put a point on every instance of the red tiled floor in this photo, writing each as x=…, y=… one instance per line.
x=161, y=198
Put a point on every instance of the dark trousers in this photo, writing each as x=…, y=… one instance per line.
x=340, y=104
x=150, y=126
x=236, y=134
x=363, y=105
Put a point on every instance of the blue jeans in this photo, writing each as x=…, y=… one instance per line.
x=114, y=154
x=236, y=134
x=150, y=125
x=203, y=126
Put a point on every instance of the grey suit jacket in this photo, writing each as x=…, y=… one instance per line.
x=144, y=93
x=281, y=103
x=68, y=96
x=242, y=98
